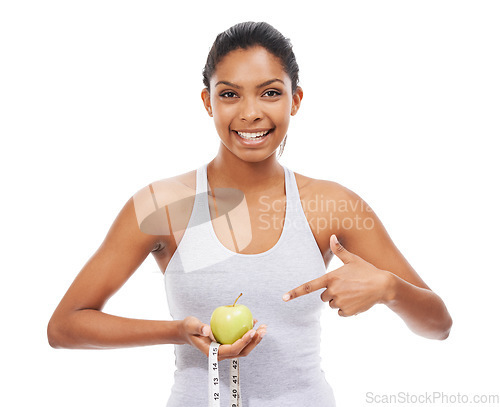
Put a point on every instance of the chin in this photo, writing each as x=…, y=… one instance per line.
x=256, y=158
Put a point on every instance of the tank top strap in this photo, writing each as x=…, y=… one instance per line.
x=201, y=179
x=292, y=192
x=199, y=214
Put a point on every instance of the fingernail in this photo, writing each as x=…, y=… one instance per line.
x=286, y=297
x=205, y=331
x=335, y=240
x=252, y=334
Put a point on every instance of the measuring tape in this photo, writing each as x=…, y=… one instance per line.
x=213, y=379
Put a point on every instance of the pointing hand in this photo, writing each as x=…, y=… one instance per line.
x=352, y=288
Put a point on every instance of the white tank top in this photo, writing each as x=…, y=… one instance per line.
x=285, y=367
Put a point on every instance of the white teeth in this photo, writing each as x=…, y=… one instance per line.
x=252, y=135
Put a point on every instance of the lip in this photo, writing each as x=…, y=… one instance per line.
x=252, y=130
x=252, y=143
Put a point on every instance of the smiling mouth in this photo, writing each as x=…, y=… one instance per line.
x=253, y=135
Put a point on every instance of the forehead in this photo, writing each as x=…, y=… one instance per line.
x=250, y=65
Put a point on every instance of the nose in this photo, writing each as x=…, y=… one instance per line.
x=250, y=110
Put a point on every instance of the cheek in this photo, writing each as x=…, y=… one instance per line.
x=282, y=109
x=281, y=115
x=222, y=118
x=222, y=121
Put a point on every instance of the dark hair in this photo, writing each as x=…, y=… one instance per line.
x=248, y=34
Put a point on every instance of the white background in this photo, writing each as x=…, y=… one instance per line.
x=401, y=105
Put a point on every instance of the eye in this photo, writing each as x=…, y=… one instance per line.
x=272, y=93
x=228, y=94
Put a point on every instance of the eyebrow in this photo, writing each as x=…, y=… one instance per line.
x=266, y=83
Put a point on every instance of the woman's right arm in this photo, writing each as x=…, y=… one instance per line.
x=78, y=321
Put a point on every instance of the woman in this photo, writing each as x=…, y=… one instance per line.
x=245, y=223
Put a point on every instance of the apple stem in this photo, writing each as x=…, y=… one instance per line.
x=237, y=299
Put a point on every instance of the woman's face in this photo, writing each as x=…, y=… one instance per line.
x=251, y=102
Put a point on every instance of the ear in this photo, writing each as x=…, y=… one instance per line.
x=205, y=96
x=296, y=99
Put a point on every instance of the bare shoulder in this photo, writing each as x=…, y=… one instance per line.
x=163, y=207
x=328, y=208
x=324, y=190
x=332, y=208
x=176, y=184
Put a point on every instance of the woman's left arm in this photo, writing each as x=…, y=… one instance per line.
x=375, y=271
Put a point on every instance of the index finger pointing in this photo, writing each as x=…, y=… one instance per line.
x=306, y=288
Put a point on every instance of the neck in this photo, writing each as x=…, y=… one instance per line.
x=227, y=170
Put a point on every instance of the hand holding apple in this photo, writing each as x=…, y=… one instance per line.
x=230, y=322
x=199, y=335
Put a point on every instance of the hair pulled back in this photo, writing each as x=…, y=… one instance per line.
x=249, y=34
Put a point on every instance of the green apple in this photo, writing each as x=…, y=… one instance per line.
x=230, y=322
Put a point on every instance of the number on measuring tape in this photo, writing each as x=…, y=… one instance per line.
x=213, y=380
